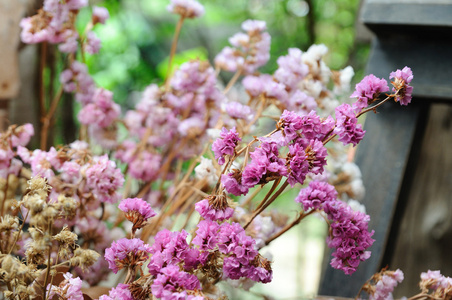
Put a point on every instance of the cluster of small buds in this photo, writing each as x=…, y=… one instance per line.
x=250, y=51
x=241, y=257
x=349, y=234
x=14, y=137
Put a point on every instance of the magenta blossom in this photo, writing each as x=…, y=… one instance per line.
x=225, y=144
x=126, y=253
x=347, y=127
x=137, y=211
x=402, y=88
x=368, y=90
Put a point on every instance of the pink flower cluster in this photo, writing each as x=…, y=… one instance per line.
x=126, y=252
x=120, y=292
x=137, y=211
x=102, y=111
x=264, y=166
x=349, y=229
x=15, y=137
x=53, y=24
x=241, y=257
x=402, y=88
x=436, y=282
x=385, y=286
x=225, y=144
x=367, y=91
x=347, y=127
x=76, y=79
x=171, y=283
x=186, y=8
x=249, y=52
x=70, y=288
x=104, y=179
x=215, y=208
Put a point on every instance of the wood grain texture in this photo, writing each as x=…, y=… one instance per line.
x=424, y=240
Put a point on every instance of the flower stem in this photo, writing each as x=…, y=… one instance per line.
x=232, y=81
x=173, y=51
x=278, y=192
x=288, y=226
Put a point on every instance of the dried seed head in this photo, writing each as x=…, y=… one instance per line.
x=37, y=183
x=84, y=258
x=9, y=223
x=66, y=238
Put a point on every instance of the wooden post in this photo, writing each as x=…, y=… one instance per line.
x=412, y=33
x=11, y=12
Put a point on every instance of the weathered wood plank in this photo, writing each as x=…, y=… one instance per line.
x=383, y=157
x=424, y=239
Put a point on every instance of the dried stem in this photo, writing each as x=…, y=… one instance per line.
x=232, y=81
x=272, y=189
x=278, y=192
x=288, y=226
x=5, y=195
x=48, y=117
x=173, y=51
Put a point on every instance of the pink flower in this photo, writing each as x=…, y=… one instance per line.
x=251, y=50
x=232, y=183
x=215, y=208
x=225, y=145
x=385, y=286
x=104, y=179
x=298, y=164
x=368, y=91
x=172, y=281
x=401, y=83
x=349, y=236
x=22, y=135
x=186, y=8
x=126, y=252
x=93, y=43
x=102, y=111
x=121, y=292
x=137, y=211
x=316, y=195
x=347, y=127
x=70, y=288
x=100, y=15
x=291, y=68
